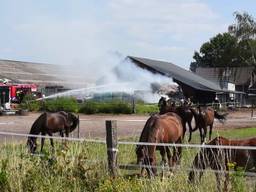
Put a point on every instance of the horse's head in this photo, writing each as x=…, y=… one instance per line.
x=31, y=144
x=140, y=152
x=162, y=104
x=201, y=162
x=72, y=121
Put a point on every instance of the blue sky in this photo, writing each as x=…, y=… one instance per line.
x=71, y=32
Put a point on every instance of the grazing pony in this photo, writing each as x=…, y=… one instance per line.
x=183, y=111
x=204, y=118
x=166, y=128
x=219, y=159
x=49, y=123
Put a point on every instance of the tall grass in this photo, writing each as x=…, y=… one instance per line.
x=83, y=167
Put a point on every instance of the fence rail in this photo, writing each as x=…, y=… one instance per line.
x=112, y=143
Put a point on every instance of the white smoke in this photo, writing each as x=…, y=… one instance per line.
x=117, y=74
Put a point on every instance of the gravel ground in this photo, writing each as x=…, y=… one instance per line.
x=93, y=126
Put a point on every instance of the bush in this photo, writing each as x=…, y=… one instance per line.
x=61, y=104
x=115, y=107
x=29, y=103
x=142, y=108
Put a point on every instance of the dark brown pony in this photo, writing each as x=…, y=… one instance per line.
x=166, y=128
x=204, y=117
x=183, y=111
x=49, y=123
x=218, y=159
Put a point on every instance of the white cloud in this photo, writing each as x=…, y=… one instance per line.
x=162, y=29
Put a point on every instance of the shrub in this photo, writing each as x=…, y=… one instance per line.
x=61, y=104
x=142, y=108
x=115, y=107
x=29, y=103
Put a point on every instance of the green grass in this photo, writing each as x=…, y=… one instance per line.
x=83, y=167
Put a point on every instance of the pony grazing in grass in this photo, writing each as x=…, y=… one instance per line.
x=166, y=128
x=220, y=159
x=204, y=117
x=49, y=123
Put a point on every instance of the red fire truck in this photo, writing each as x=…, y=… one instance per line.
x=14, y=93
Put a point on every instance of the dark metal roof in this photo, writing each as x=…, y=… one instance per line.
x=177, y=73
x=236, y=75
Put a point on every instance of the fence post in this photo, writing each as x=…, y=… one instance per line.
x=111, y=140
x=78, y=127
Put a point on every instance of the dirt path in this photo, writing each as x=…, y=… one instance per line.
x=93, y=126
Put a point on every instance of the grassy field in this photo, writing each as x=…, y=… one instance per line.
x=82, y=167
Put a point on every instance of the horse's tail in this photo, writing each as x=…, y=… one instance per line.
x=195, y=115
x=35, y=130
x=220, y=117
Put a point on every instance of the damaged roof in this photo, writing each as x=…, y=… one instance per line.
x=177, y=73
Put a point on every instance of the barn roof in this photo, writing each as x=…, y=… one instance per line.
x=177, y=73
x=236, y=75
x=40, y=74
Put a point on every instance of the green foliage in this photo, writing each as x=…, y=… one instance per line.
x=83, y=167
x=61, y=104
x=29, y=103
x=142, y=108
x=233, y=49
x=114, y=107
x=238, y=180
x=4, y=183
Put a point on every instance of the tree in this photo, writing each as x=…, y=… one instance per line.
x=245, y=30
x=232, y=49
x=220, y=51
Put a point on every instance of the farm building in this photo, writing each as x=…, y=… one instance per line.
x=194, y=86
x=237, y=79
x=48, y=78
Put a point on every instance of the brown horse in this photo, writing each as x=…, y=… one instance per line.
x=204, y=118
x=219, y=159
x=166, y=128
x=183, y=111
x=49, y=123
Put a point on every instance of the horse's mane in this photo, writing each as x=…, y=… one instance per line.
x=149, y=124
x=39, y=122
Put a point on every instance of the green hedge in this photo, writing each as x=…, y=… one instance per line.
x=30, y=104
x=142, y=108
x=89, y=107
x=115, y=107
x=61, y=104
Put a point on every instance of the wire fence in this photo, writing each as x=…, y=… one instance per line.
x=129, y=166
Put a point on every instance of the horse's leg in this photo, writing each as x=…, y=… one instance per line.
x=174, y=157
x=205, y=133
x=67, y=131
x=163, y=163
x=179, y=151
x=201, y=135
x=210, y=132
x=190, y=131
x=218, y=181
x=226, y=181
x=184, y=128
x=42, y=141
x=51, y=140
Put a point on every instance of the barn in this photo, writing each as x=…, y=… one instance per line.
x=199, y=89
x=49, y=78
x=237, y=79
